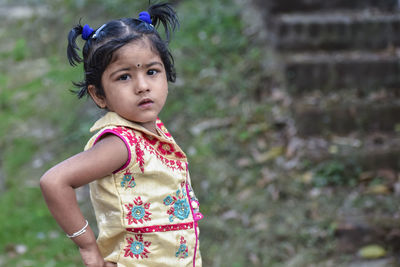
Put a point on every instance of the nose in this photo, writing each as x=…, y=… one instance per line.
x=142, y=85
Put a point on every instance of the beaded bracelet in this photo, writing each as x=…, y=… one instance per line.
x=80, y=232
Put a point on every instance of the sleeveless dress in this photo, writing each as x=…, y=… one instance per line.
x=146, y=211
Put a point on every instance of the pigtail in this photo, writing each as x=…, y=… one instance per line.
x=164, y=13
x=72, y=49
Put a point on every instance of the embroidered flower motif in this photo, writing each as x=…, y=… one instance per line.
x=168, y=200
x=179, y=206
x=128, y=181
x=183, y=249
x=165, y=148
x=182, y=209
x=137, y=247
x=139, y=212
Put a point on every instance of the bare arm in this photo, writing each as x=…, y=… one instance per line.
x=58, y=184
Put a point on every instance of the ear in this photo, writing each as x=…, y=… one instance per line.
x=99, y=99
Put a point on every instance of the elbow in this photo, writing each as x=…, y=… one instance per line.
x=53, y=183
x=48, y=183
x=45, y=182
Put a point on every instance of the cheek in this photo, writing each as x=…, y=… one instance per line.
x=164, y=95
x=164, y=88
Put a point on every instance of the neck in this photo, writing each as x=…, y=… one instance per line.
x=150, y=126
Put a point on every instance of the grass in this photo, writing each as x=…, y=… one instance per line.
x=30, y=225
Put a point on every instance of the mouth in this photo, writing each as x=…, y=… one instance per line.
x=145, y=102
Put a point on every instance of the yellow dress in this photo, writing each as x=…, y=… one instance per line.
x=146, y=212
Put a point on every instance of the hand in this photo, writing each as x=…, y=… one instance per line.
x=92, y=258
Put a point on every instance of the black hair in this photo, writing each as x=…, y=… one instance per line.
x=99, y=48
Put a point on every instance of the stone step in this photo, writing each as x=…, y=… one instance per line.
x=335, y=30
x=319, y=116
x=285, y=6
x=340, y=70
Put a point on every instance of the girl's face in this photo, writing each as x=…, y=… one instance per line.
x=135, y=84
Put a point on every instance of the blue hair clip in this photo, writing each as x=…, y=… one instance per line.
x=86, y=32
x=145, y=16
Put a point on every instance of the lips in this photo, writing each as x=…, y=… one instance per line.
x=145, y=102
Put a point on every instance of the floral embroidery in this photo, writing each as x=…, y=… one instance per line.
x=128, y=181
x=181, y=209
x=168, y=200
x=137, y=247
x=149, y=143
x=165, y=148
x=183, y=249
x=179, y=205
x=139, y=212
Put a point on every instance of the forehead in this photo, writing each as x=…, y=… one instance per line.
x=137, y=51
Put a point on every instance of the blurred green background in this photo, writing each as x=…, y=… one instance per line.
x=261, y=207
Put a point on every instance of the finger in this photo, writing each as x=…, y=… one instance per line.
x=110, y=264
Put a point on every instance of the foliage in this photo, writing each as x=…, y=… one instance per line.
x=20, y=50
x=335, y=173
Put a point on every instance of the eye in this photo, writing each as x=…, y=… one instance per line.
x=124, y=77
x=152, y=72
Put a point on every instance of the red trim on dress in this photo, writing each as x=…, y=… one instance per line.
x=161, y=228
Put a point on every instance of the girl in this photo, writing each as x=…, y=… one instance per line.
x=140, y=187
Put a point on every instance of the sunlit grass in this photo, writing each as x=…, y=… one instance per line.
x=29, y=233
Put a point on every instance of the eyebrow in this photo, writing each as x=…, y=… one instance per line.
x=152, y=64
x=119, y=70
x=145, y=66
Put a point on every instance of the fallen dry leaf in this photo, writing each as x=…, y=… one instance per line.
x=372, y=252
x=378, y=189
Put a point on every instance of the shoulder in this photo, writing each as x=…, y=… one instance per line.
x=115, y=141
x=109, y=153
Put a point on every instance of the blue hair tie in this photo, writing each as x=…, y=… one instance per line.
x=145, y=16
x=86, y=32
